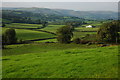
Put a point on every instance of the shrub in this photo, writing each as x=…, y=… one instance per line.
x=89, y=43
x=9, y=36
x=84, y=42
x=108, y=33
x=76, y=40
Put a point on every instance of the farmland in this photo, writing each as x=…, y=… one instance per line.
x=52, y=28
x=46, y=60
x=41, y=42
x=55, y=60
x=29, y=34
x=19, y=25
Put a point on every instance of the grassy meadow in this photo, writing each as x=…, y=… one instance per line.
x=52, y=28
x=29, y=34
x=46, y=60
x=23, y=25
x=55, y=60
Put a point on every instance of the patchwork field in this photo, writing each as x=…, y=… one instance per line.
x=22, y=25
x=30, y=34
x=86, y=29
x=52, y=28
x=55, y=60
x=46, y=60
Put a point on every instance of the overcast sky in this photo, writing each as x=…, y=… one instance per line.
x=60, y=0
x=111, y=5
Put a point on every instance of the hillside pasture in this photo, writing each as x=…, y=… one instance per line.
x=82, y=34
x=46, y=60
x=30, y=34
x=23, y=25
x=52, y=28
x=85, y=29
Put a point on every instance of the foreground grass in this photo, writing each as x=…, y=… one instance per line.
x=45, y=60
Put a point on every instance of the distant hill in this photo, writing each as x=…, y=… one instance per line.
x=96, y=15
x=22, y=16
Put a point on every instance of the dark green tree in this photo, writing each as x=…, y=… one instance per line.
x=108, y=33
x=64, y=34
x=44, y=24
x=9, y=36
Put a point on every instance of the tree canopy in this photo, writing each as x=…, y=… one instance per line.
x=9, y=36
x=108, y=32
x=64, y=34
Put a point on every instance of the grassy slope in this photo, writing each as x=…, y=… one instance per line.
x=22, y=25
x=86, y=29
x=52, y=28
x=59, y=61
x=29, y=34
x=82, y=34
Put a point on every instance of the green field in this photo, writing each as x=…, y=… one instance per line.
x=46, y=60
x=55, y=60
x=82, y=34
x=22, y=25
x=86, y=29
x=29, y=34
x=52, y=28
x=48, y=40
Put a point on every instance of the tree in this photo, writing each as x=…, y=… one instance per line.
x=75, y=23
x=64, y=34
x=44, y=23
x=108, y=33
x=9, y=36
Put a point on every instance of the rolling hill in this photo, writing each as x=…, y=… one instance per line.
x=97, y=15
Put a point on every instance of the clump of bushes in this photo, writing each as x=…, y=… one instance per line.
x=64, y=34
x=84, y=41
x=9, y=36
x=76, y=40
x=108, y=33
x=81, y=41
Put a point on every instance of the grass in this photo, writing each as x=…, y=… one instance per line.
x=45, y=60
x=29, y=34
x=86, y=29
x=22, y=25
x=52, y=28
x=93, y=23
x=49, y=40
x=55, y=60
x=81, y=34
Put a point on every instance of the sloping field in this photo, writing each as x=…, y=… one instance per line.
x=30, y=34
x=22, y=25
x=53, y=60
x=52, y=28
